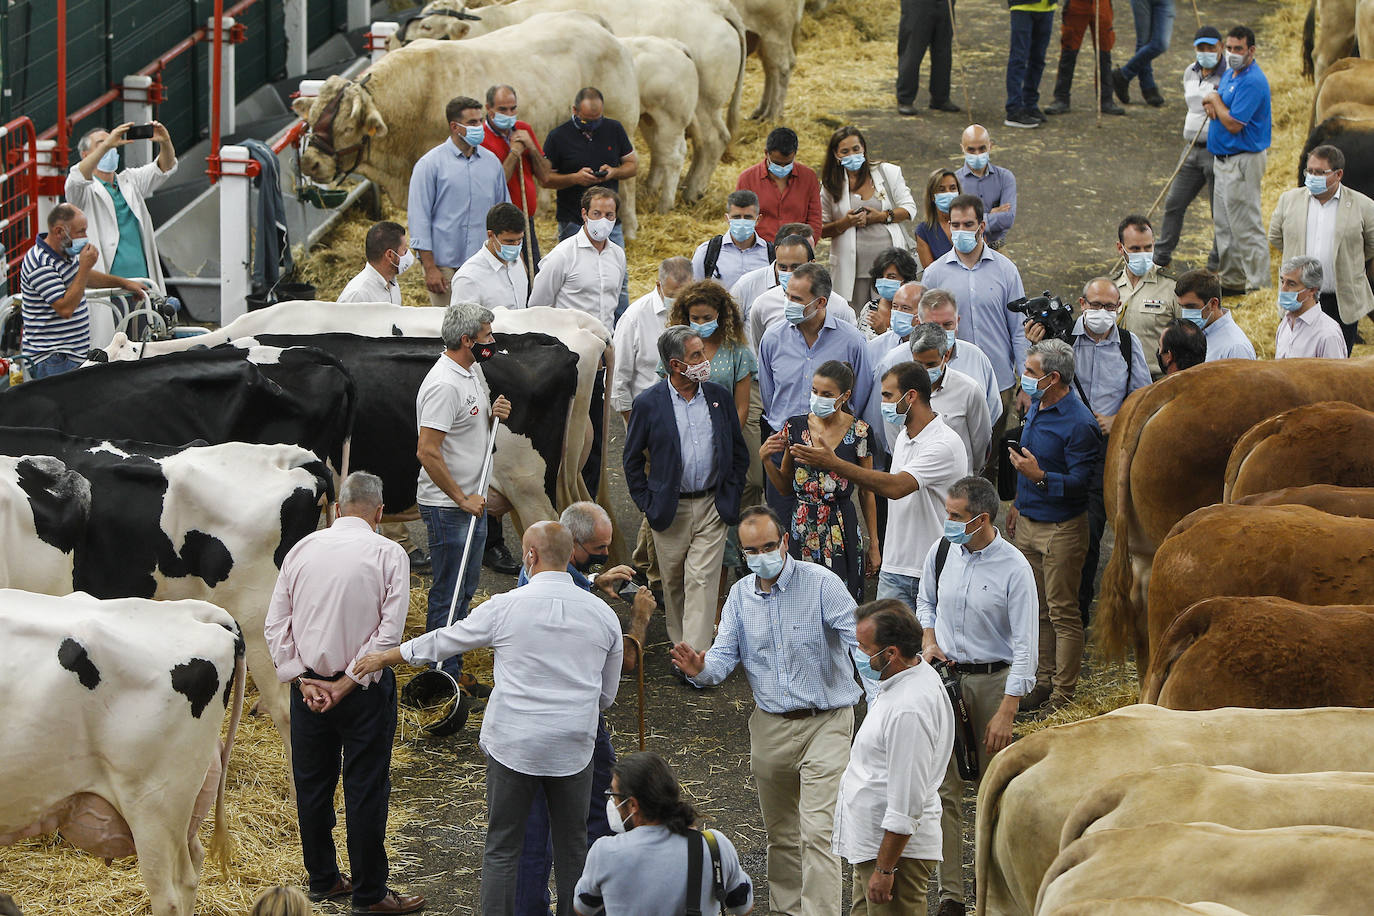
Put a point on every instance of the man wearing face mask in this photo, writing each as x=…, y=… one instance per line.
x=994, y=185
x=731, y=255
x=514, y=143
x=977, y=607
x=1199, y=299
x=1182, y=346
x=53, y=279
x=887, y=815
x=388, y=256
x=788, y=191
x=636, y=335
x=1146, y=292
x=585, y=271
x=905, y=297
x=791, y=626
x=495, y=276
x=754, y=283
x=685, y=431
x=954, y=396
x=770, y=305
x=1304, y=329
x=452, y=188
x=938, y=306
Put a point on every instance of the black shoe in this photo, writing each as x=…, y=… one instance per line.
x=906, y=110
x=419, y=561
x=946, y=105
x=1038, y=697
x=1233, y=291
x=498, y=559
x=342, y=888
x=950, y=908
x=1035, y=112
x=1057, y=107
x=1111, y=108
x=1020, y=119
x=1153, y=98
x=1121, y=85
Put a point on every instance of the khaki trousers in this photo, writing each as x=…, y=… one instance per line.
x=1056, y=551
x=644, y=557
x=441, y=299
x=908, y=889
x=982, y=695
x=797, y=766
x=689, y=557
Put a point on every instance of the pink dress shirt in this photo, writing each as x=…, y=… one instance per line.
x=343, y=592
x=1312, y=333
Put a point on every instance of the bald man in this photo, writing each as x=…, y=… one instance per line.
x=994, y=184
x=557, y=664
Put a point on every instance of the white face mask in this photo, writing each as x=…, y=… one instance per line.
x=600, y=229
x=406, y=261
x=1098, y=321
x=613, y=817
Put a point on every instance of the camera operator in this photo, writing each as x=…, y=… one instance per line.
x=1109, y=364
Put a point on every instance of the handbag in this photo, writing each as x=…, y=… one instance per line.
x=694, y=838
x=905, y=226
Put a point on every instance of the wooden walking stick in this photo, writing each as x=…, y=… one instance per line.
x=1097, y=65
x=527, y=252
x=954, y=48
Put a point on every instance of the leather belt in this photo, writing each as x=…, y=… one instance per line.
x=696, y=494
x=979, y=668
x=795, y=714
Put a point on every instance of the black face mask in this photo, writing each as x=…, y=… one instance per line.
x=1159, y=358
x=587, y=126
x=593, y=559
x=481, y=352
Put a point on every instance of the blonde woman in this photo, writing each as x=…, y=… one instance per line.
x=932, y=234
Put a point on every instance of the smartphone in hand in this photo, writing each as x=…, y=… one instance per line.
x=139, y=132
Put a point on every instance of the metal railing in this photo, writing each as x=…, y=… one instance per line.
x=18, y=197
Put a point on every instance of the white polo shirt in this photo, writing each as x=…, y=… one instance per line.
x=370, y=286
x=454, y=401
x=494, y=283
x=936, y=459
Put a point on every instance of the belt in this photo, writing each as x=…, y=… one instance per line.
x=696, y=494
x=808, y=713
x=314, y=676
x=979, y=667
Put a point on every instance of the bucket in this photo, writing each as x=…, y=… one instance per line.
x=435, y=688
x=301, y=291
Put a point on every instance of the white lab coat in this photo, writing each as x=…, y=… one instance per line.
x=102, y=227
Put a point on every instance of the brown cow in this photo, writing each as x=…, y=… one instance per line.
x=1265, y=653
x=1348, y=80
x=1167, y=456
x=1294, y=552
x=1330, y=442
x=1352, y=502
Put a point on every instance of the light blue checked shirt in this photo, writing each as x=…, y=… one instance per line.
x=698, y=441
x=794, y=642
x=450, y=195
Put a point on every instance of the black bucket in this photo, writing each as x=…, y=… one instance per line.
x=299, y=291
x=432, y=688
x=257, y=301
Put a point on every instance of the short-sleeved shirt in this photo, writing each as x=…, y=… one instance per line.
x=1246, y=94
x=454, y=401
x=936, y=458
x=644, y=871
x=44, y=276
x=129, y=259
x=569, y=150
x=499, y=145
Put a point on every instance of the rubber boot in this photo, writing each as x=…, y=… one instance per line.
x=1104, y=69
x=1063, y=83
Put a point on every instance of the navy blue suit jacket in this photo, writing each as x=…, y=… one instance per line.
x=652, y=433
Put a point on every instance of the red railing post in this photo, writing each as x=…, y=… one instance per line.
x=217, y=55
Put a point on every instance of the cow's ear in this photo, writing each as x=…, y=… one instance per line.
x=459, y=29
x=373, y=125
x=301, y=107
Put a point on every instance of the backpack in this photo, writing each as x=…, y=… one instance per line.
x=708, y=267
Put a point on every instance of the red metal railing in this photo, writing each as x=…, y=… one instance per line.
x=18, y=194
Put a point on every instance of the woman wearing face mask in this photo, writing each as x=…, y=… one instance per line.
x=825, y=526
x=643, y=867
x=932, y=234
x=891, y=268
x=865, y=208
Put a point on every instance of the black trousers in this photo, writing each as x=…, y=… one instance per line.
x=1097, y=524
x=358, y=732
x=1329, y=305
x=924, y=24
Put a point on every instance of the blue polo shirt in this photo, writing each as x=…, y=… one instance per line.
x=1246, y=94
x=579, y=580
x=1065, y=440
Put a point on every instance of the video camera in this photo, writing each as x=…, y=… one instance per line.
x=1048, y=311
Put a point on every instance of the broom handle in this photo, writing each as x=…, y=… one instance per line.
x=472, y=528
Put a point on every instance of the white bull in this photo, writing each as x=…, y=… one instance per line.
x=1144, y=906
x=774, y=28
x=112, y=721
x=667, y=103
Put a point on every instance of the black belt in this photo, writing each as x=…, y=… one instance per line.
x=980, y=667
x=696, y=494
x=807, y=713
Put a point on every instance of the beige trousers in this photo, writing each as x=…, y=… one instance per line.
x=908, y=889
x=797, y=766
x=982, y=695
x=644, y=557
x=1056, y=551
x=689, y=557
x=441, y=299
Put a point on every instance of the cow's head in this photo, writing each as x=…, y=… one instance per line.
x=343, y=119
x=439, y=19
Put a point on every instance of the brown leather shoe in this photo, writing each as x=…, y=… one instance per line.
x=342, y=888
x=950, y=908
x=394, y=903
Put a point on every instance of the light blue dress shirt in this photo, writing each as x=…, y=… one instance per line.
x=698, y=441
x=1101, y=372
x=794, y=642
x=982, y=293
x=1225, y=339
x=450, y=195
x=997, y=186
x=733, y=262
x=786, y=365
x=988, y=609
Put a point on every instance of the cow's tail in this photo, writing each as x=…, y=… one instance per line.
x=1006, y=766
x=1187, y=629
x=1309, y=41
x=221, y=845
x=732, y=113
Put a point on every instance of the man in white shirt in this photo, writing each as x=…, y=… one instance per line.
x=939, y=306
x=927, y=457
x=1304, y=329
x=585, y=270
x=495, y=276
x=541, y=719
x=887, y=816
x=748, y=287
x=727, y=257
x=953, y=395
x=636, y=335
x=1200, y=78
x=770, y=305
x=980, y=613
x=1199, y=298
x=388, y=256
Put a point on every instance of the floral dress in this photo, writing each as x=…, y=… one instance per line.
x=825, y=523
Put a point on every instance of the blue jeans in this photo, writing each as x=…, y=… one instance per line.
x=536, y=858
x=1030, y=36
x=56, y=364
x=896, y=585
x=448, y=530
x=1154, y=26
x=566, y=230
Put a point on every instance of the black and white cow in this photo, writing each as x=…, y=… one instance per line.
x=121, y=519
x=112, y=720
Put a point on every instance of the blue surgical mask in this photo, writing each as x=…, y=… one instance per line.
x=887, y=288
x=964, y=240
x=956, y=532
x=976, y=161
x=741, y=229
x=935, y=374
x=795, y=312
x=1288, y=299
x=901, y=323
x=890, y=412
x=509, y=253
x=74, y=247
x=1208, y=59
x=779, y=171
x=706, y=328
x=503, y=121
x=944, y=199
x=1195, y=316
x=1031, y=386
x=1140, y=262
x=951, y=337
x=865, y=665
x=109, y=162
x=853, y=162
x=1315, y=183
x=822, y=407
x=474, y=133
x=783, y=277
x=766, y=565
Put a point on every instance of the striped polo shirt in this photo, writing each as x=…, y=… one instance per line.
x=44, y=278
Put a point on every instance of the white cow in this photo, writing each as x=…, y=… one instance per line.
x=112, y=721
x=774, y=27
x=667, y=104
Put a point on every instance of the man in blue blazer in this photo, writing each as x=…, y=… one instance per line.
x=685, y=464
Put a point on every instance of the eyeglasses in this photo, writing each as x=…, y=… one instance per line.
x=619, y=795
x=1317, y=173
x=770, y=547
x=1104, y=306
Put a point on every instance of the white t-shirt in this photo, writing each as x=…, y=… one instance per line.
x=936, y=459
x=454, y=401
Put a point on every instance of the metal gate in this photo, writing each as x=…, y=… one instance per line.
x=18, y=197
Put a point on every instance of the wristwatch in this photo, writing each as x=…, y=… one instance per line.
x=885, y=871
x=890, y=216
x=1043, y=484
